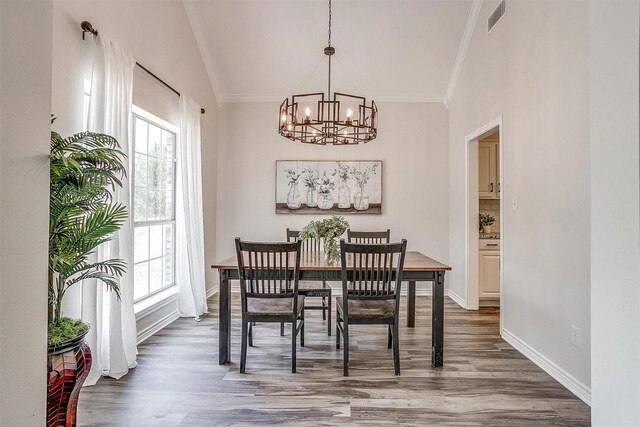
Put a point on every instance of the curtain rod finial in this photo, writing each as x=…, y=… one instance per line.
x=87, y=28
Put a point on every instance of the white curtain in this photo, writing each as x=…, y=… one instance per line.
x=192, y=301
x=112, y=337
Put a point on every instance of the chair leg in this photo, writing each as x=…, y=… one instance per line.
x=389, y=339
x=243, y=352
x=294, y=335
x=281, y=329
x=251, y=334
x=338, y=320
x=329, y=316
x=324, y=311
x=345, y=359
x=302, y=329
x=396, y=348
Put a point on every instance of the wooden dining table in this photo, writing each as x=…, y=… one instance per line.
x=313, y=267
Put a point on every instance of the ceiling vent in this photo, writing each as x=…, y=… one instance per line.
x=497, y=14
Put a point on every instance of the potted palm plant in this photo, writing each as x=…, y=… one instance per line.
x=85, y=169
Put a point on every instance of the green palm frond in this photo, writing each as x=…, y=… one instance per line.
x=85, y=170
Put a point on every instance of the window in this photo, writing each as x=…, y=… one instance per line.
x=154, y=204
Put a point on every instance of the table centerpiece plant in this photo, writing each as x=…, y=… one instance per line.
x=329, y=230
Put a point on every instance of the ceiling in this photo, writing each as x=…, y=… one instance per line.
x=393, y=50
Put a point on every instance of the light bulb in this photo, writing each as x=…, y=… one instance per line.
x=307, y=112
x=349, y=113
x=284, y=118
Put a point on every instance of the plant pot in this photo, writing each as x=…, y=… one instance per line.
x=486, y=229
x=69, y=364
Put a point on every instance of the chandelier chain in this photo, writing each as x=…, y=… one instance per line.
x=329, y=22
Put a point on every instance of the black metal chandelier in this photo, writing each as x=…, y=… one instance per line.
x=313, y=118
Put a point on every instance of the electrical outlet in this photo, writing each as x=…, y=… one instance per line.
x=514, y=203
x=575, y=336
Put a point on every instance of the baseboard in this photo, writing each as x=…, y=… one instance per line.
x=157, y=326
x=563, y=377
x=211, y=291
x=456, y=298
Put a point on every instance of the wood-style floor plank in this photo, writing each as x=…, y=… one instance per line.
x=485, y=382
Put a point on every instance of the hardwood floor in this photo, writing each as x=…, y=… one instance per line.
x=484, y=381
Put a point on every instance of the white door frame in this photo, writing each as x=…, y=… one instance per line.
x=472, y=294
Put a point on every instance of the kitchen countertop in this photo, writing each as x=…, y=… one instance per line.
x=490, y=235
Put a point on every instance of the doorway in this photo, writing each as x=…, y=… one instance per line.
x=485, y=186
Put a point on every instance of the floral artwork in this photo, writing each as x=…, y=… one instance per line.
x=328, y=187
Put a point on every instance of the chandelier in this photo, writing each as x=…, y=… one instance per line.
x=313, y=118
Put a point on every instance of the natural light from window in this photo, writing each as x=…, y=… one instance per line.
x=154, y=206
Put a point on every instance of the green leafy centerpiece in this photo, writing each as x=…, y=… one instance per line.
x=329, y=230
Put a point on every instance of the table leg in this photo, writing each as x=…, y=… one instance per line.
x=411, y=304
x=224, y=322
x=437, y=321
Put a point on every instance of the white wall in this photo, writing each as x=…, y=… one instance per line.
x=25, y=85
x=615, y=215
x=533, y=70
x=412, y=144
x=160, y=37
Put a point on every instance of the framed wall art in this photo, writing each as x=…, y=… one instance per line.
x=331, y=187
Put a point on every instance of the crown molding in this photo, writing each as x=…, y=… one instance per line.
x=462, y=49
x=196, y=28
x=273, y=97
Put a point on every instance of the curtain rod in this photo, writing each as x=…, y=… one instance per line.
x=88, y=28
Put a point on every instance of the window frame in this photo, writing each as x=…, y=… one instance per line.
x=149, y=118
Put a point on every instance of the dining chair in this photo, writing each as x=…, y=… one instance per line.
x=370, y=292
x=313, y=289
x=269, y=290
x=368, y=236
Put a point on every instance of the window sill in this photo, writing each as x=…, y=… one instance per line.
x=152, y=303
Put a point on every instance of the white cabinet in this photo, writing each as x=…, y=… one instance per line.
x=489, y=269
x=488, y=169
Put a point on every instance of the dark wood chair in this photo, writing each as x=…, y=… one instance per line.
x=313, y=289
x=368, y=236
x=269, y=290
x=370, y=293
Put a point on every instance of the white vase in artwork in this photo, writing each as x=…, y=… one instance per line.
x=486, y=229
x=294, y=199
x=361, y=200
x=344, y=195
x=325, y=201
x=312, y=198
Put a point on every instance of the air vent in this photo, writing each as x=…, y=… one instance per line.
x=497, y=14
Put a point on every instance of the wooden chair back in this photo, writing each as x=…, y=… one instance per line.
x=309, y=245
x=375, y=271
x=267, y=270
x=369, y=237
